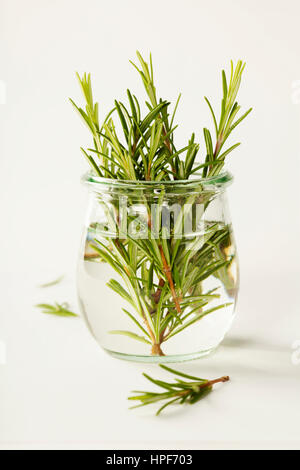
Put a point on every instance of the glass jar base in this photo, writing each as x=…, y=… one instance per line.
x=161, y=359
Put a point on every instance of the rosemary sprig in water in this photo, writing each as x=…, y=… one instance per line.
x=227, y=123
x=147, y=150
x=178, y=392
x=162, y=277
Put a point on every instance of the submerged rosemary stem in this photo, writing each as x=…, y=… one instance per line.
x=156, y=350
x=168, y=273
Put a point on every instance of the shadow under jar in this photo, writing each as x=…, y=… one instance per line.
x=158, y=273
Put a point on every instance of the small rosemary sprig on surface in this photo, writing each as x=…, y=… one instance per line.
x=61, y=310
x=178, y=392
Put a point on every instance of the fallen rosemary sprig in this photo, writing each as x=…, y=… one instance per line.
x=178, y=392
x=61, y=310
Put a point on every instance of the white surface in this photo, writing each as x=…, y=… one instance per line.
x=58, y=388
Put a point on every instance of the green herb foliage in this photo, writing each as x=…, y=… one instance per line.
x=146, y=149
x=161, y=278
x=52, y=283
x=178, y=392
x=61, y=310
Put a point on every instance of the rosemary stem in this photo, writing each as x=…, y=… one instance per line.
x=167, y=271
x=210, y=383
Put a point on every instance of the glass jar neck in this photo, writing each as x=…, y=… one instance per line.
x=216, y=184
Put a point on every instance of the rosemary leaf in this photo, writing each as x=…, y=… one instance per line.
x=52, y=283
x=61, y=310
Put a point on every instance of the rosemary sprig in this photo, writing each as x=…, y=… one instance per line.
x=229, y=110
x=61, y=310
x=178, y=392
x=147, y=149
x=163, y=276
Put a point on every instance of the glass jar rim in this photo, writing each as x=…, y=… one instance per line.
x=213, y=183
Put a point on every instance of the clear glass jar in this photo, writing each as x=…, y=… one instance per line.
x=158, y=272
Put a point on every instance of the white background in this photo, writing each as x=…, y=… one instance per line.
x=57, y=388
